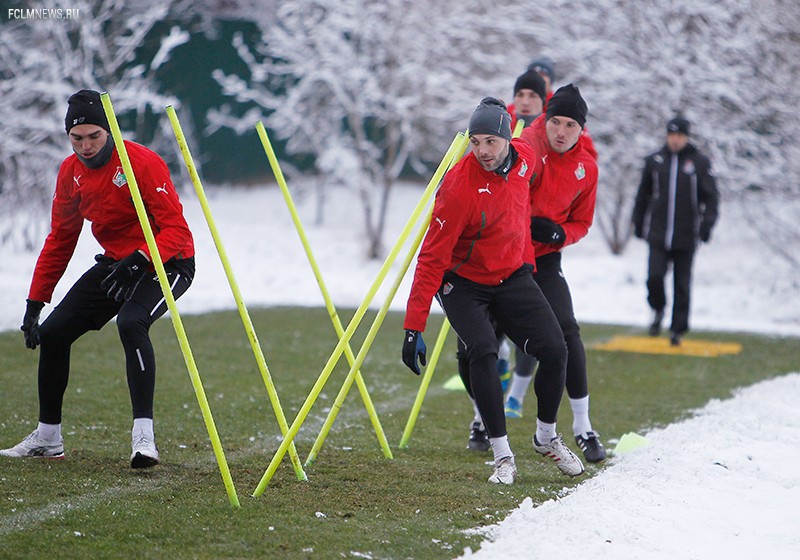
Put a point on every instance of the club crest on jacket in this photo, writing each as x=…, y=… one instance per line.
x=119, y=178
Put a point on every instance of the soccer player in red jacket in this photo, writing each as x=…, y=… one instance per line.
x=562, y=208
x=474, y=261
x=92, y=186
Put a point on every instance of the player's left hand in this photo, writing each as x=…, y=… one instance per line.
x=125, y=276
x=413, y=348
x=30, y=323
x=547, y=231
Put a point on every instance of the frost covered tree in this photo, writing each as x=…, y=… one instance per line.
x=730, y=66
x=43, y=62
x=370, y=89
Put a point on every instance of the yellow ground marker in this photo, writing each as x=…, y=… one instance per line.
x=455, y=384
x=630, y=442
x=659, y=345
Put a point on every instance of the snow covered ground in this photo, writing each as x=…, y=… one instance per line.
x=723, y=484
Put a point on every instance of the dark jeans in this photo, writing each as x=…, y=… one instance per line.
x=658, y=266
x=86, y=307
x=523, y=314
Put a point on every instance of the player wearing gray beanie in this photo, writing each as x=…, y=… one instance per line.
x=491, y=117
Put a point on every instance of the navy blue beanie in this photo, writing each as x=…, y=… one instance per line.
x=679, y=125
x=544, y=65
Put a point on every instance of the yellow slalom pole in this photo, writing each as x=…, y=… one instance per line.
x=354, y=322
x=237, y=295
x=518, y=128
x=141, y=212
x=372, y=333
x=381, y=316
x=431, y=368
x=426, y=381
x=337, y=323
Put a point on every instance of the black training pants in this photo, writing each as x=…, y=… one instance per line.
x=658, y=265
x=523, y=314
x=553, y=284
x=86, y=307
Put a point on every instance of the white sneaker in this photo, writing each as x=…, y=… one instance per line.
x=144, y=452
x=504, y=471
x=566, y=461
x=36, y=446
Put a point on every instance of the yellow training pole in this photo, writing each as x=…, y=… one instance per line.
x=382, y=314
x=430, y=369
x=518, y=128
x=141, y=212
x=337, y=323
x=237, y=295
x=353, y=325
x=373, y=331
x=426, y=381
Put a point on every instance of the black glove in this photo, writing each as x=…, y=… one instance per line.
x=705, y=233
x=30, y=323
x=638, y=232
x=413, y=348
x=125, y=276
x=546, y=231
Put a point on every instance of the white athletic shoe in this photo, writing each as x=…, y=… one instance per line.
x=36, y=446
x=144, y=452
x=504, y=471
x=566, y=461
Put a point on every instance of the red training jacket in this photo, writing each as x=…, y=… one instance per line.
x=101, y=196
x=479, y=229
x=566, y=191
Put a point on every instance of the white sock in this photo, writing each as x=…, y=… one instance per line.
x=477, y=417
x=500, y=448
x=580, y=415
x=143, y=425
x=49, y=432
x=545, y=432
x=519, y=386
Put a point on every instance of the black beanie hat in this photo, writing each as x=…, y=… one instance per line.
x=531, y=80
x=85, y=107
x=491, y=117
x=678, y=124
x=567, y=102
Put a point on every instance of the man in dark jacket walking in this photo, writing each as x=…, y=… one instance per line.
x=676, y=205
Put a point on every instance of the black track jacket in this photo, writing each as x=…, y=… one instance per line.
x=677, y=199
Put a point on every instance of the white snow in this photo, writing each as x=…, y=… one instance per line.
x=723, y=484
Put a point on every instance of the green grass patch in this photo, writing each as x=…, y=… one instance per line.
x=356, y=503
